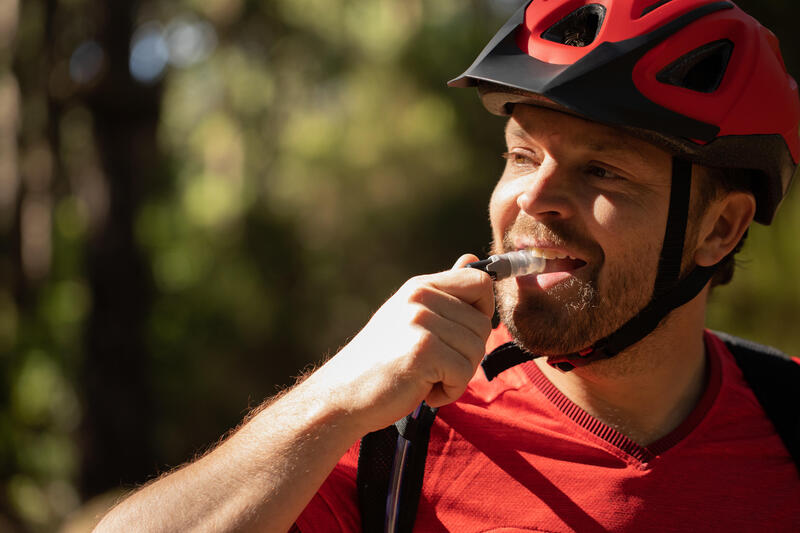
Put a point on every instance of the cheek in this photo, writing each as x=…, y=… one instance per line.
x=503, y=209
x=631, y=233
x=603, y=211
x=620, y=218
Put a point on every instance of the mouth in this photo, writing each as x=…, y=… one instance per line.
x=561, y=265
x=556, y=260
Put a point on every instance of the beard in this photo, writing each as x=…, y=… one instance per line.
x=581, y=310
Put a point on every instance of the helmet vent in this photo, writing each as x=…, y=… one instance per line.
x=579, y=28
x=653, y=7
x=700, y=70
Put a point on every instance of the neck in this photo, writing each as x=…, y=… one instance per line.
x=648, y=390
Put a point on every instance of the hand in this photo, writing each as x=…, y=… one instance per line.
x=424, y=343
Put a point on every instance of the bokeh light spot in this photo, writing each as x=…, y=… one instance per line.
x=86, y=62
x=189, y=41
x=149, y=53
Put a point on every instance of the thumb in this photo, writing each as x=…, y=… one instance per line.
x=464, y=260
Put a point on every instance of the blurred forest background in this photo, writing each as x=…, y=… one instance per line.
x=198, y=198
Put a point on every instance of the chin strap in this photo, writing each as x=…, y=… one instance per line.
x=669, y=292
x=640, y=325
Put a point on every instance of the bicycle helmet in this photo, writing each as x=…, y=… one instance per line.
x=699, y=78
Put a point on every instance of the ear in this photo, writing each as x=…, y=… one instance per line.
x=723, y=226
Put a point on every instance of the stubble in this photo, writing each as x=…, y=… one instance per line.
x=581, y=310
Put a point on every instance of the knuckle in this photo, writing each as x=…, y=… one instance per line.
x=418, y=293
x=412, y=283
x=484, y=327
x=477, y=352
x=483, y=281
x=426, y=341
x=475, y=275
x=486, y=281
x=464, y=371
x=416, y=280
x=466, y=362
x=420, y=315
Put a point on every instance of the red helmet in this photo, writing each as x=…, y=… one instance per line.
x=700, y=78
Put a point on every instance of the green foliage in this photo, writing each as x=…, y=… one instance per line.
x=305, y=169
x=314, y=170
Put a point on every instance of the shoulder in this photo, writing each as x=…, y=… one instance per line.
x=771, y=374
x=758, y=362
x=773, y=378
x=737, y=345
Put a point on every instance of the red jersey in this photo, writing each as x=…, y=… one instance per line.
x=515, y=454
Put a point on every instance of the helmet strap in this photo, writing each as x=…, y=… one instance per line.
x=669, y=263
x=669, y=291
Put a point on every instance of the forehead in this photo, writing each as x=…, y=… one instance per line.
x=538, y=124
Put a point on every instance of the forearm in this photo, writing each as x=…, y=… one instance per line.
x=423, y=344
x=261, y=478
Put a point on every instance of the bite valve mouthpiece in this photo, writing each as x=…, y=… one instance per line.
x=511, y=264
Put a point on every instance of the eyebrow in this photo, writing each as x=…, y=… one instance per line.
x=605, y=144
x=612, y=144
x=513, y=129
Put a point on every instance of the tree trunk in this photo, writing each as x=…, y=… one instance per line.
x=117, y=445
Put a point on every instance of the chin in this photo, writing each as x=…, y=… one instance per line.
x=564, y=319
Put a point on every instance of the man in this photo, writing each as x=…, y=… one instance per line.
x=624, y=414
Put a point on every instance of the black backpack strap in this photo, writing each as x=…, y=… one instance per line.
x=375, y=463
x=775, y=380
x=375, y=457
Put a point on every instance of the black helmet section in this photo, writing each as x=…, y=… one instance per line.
x=756, y=134
x=763, y=158
x=606, y=69
x=616, y=101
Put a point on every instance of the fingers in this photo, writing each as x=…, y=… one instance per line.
x=469, y=285
x=464, y=260
x=425, y=342
x=453, y=309
x=452, y=373
x=464, y=341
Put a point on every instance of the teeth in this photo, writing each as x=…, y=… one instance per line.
x=548, y=254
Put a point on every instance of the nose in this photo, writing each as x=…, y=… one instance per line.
x=547, y=193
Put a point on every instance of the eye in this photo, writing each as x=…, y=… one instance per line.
x=602, y=173
x=519, y=160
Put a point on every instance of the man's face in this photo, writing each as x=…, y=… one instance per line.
x=593, y=198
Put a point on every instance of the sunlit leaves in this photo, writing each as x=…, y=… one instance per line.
x=312, y=161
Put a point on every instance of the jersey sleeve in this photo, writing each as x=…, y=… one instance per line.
x=334, y=507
